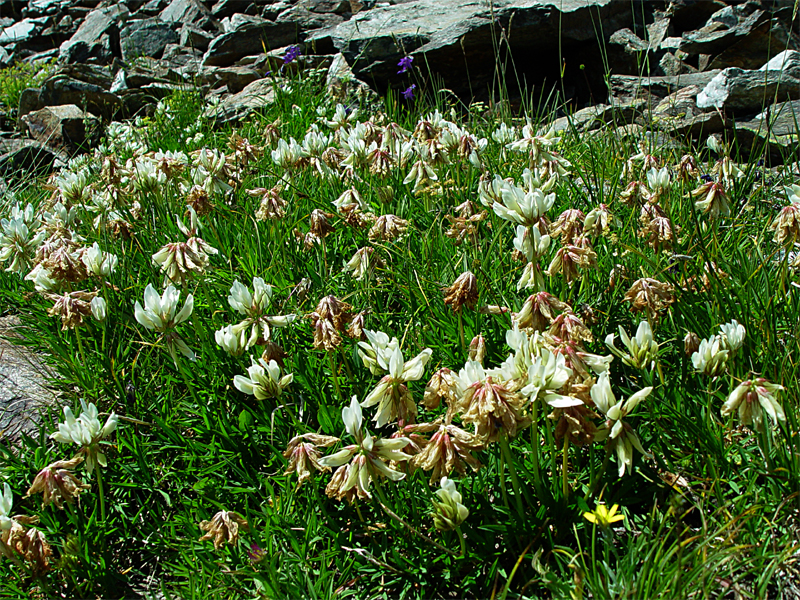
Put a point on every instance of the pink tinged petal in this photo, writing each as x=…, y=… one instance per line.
x=386, y=470
x=337, y=459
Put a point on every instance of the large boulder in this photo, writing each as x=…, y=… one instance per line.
x=459, y=40
x=64, y=127
x=246, y=39
x=740, y=90
x=186, y=12
x=256, y=95
x=97, y=39
x=147, y=37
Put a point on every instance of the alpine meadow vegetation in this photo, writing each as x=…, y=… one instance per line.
x=410, y=349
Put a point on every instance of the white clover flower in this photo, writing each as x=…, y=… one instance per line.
x=753, y=398
x=86, y=431
x=43, y=280
x=255, y=306
x=546, y=374
x=73, y=186
x=98, y=308
x=449, y=513
x=621, y=436
x=159, y=312
x=522, y=207
x=731, y=335
x=370, y=457
x=658, y=180
x=147, y=177
x=99, y=263
x=711, y=358
x=530, y=243
x=287, y=155
x=17, y=244
x=229, y=340
x=6, y=503
x=264, y=380
x=642, y=350
x=504, y=134
x=392, y=395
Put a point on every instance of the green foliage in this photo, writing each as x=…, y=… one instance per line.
x=19, y=77
x=713, y=511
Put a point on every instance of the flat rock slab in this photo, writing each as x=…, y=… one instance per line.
x=24, y=394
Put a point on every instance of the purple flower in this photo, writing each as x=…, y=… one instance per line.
x=405, y=64
x=409, y=93
x=292, y=53
x=256, y=553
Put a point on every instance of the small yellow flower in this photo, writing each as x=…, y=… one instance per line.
x=604, y=516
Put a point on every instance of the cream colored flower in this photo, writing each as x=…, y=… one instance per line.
x=753, y=398
x=642, y=349
x=87, y=432
x=448, y=513
x=264, y=380
x=711, y=357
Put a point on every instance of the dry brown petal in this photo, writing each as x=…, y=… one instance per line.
x=58, y=483
x=223, y=527
x=463, y=292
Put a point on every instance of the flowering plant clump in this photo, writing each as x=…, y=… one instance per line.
x=564, y=315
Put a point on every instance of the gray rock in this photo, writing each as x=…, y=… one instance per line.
x=743, y=90
x=23, y=391
x=234, y=78
x=147, y=37
x=594, y=117
x=28, y=102
x=186, y=12
x=186, y=60
x=97, y=39
x=679, y=115
x=192, y=37
x=22, y=158
x=227, y=48
x=257, y=95
x=20, y=32
x=63, y=89
x=5, y=58
x=628, y=87
x=343, y=85
x=47, y=7
x=65, y=127
x=724, y=28
x=459, y=38
x=306, y=19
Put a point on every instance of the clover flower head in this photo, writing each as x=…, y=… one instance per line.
x=711, y=357
x=223, y=528
x=732, y=335
x=642, y=349
x=160, y=312
x=264, y=379
x=87, y=432
x=753, y=398
x=449, y=512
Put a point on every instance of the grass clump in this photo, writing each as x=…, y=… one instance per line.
x=340, y=352
x=19, y=77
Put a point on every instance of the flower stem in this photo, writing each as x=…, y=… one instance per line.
x=463, y=542
x=333, y=376
x=101, y=494
x=565, y=468
x=461, y=332
x=513, y=472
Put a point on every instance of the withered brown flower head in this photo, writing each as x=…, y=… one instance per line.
x=29, y=544
x=463, y=292
x=272, y=133
x=576, y=423
x=309, y=240
x=568, y=259
x=303, y=455
x=651, y=295
x=568, y=225
x=539, y=311
x=58, y=483
x=570, y=326
x=702, y=283
x=272, y=205
x=449, y=449
x=356, y=328
x=657, y=228
x=243, y=151
x=787, y=225
x=199, y=200
x=380, y=160
x=335, y=310
x=635, y=194
x=354, y=217
x=477, y=349
x=72, y=307
x=712, y=199
x=687, y=168
x=493, y=409
x=441, y=386
x=465, y=224
x=691, y=343
x=387, y=228
x=223, y=527
x=320, y=223
x=61, y=257
x=273, y=351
